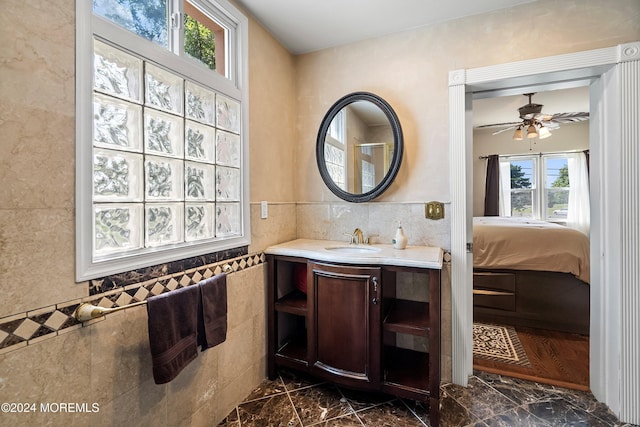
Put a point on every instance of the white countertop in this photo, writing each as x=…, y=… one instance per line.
x=330, y=250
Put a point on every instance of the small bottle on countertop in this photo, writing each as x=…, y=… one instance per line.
x=400, y=240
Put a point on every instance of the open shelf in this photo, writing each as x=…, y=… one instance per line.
x=293, y=303
x=294, y=348
x=407, y=369
x=408, y=317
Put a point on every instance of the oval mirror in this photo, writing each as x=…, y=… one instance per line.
x=359, y=147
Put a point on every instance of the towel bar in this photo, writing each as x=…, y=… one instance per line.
x=87, y=311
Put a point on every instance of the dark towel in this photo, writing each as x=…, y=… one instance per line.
x=173, y=326
x=214, y=311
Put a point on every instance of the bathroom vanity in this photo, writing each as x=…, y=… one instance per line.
x=335, y=312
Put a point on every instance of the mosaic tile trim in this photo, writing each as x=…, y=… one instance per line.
x=109, y=283
x=22, y=329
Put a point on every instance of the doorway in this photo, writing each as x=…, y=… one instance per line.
x=615, y=100
x=508, y=337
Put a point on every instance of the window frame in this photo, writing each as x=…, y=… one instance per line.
x=547, y=186
x=539, y=196
x=235, y=86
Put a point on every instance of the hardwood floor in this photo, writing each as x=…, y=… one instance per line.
x=557, y=358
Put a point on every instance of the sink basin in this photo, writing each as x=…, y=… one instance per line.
x=354, y=249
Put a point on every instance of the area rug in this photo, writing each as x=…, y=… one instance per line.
x=499, y=344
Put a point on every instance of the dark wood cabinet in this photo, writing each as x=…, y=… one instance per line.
x=345, y=318
x=348, y=326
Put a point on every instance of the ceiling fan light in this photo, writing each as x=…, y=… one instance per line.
x=517, y=135
x=543, y=132
x=531, y=132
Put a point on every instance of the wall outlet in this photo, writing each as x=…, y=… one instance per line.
x=264, y=209
x=434, y=210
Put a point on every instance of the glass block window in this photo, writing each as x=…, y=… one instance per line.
x=168, y=182
x=161, y=143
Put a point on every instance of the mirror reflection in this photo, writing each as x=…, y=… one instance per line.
x=357, y=147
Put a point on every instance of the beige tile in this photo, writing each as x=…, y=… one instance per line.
x=31, y=275
x=8, y=319
x=26, y=329
x=144, y=405
x=239, y=298
x=279, y=227
x=245, y=295
x=235, y=392
x=120, y=355
x=236, y=355
x=36, y=340
x=13, y=347
x=196, y=386
x=55, y=369
x=385, y=219
x=314, y=220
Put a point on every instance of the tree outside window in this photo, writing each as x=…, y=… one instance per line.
x=539, y=186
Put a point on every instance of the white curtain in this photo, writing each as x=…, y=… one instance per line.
x=578, y=216
x=505, y=188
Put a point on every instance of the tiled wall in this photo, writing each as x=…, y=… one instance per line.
x=47, y=356
x=107, y=362
x=330, y=220
x=21, y=329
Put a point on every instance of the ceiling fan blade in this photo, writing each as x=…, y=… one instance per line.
x=493, y=125
x=503, y=130
x=550, y=125
x=569, y=117
x=543, y=117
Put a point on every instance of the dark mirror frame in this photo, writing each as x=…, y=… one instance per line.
x=398, y=143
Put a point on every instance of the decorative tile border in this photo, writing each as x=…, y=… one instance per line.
x=22, y=329
x=116, y=281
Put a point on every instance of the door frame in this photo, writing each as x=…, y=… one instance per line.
x=613, y=74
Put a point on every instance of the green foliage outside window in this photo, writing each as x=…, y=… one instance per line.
x=559, y=198
x=563, y=178
x=199, y=42
x=518, y=179
x=520, y=201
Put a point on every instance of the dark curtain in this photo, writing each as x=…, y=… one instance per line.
x=586, y=153
x=492, y=187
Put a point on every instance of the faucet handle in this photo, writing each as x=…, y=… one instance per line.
x=352, y=237
x=368, y=239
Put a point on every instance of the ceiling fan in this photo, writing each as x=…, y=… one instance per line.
x=535, y=122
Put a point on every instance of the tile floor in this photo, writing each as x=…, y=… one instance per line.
x=489, y=400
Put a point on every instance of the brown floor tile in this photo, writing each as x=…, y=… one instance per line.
x=489, y=400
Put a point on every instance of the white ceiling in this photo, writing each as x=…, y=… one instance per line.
x=304, y=26
x=307, y=25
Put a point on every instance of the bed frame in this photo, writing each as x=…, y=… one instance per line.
x=536, y=299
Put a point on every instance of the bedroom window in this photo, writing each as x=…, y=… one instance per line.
x=161, y=147
x=550, y=187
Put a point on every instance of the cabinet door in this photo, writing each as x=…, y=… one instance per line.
x=346, y=334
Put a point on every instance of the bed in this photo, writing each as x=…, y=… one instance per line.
x=530, y=273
